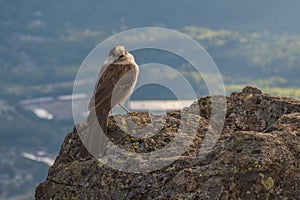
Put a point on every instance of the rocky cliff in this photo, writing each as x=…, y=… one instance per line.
x=257, y=156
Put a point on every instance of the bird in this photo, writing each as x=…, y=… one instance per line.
x=116, y=82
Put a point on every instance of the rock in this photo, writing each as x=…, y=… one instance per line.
x=257, y=156
x=251, y=90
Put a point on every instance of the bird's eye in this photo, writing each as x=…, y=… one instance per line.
x=121, y=56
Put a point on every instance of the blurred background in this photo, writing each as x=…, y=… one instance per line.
x=43, y=43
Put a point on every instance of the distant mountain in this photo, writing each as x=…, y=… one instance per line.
x=45, y=42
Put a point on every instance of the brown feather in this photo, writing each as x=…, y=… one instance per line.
x=106, y=86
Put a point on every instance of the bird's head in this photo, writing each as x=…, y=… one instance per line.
x=120, y=55
x=118, y=52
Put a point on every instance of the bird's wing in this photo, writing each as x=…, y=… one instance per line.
x=105, y=86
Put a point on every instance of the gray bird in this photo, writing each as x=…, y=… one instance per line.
x=116, y=81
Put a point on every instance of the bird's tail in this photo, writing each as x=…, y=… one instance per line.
x=93, y=136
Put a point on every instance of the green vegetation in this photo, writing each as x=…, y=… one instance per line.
x=265, y=53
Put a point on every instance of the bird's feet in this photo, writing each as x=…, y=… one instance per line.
x=124, y=108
